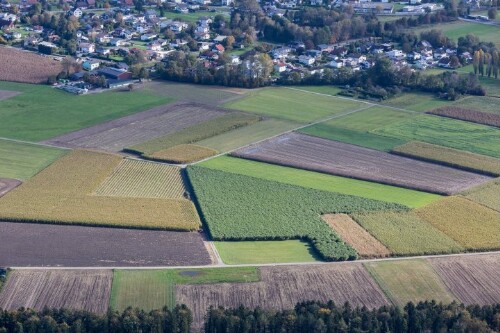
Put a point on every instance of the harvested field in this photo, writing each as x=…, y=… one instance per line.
x=7, y=184
x=182, y=154
x=282, y=287
x=28, y=67
x=23, y=245
x=450, y=157
x=473, y=116
x=487, y=195
x=352, y=233
x=316, y=154
x=141, y=179
x=62, y=192
x=4, y=94
x=474, y=279
x=404, y=233
x=134, y=129
x=472, y=225
x=406, y=281
x=70, y=289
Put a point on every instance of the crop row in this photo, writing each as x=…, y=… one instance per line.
x=474, y=116
x=237, y=207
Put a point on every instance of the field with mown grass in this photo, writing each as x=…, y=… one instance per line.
x=487, y=195
x=42, y=112
x=320, y=181
x=416, y=101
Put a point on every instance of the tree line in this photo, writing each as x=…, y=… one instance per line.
x=310, y=317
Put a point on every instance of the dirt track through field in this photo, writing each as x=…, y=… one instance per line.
x=7, y=184
x=283, y=287
x=337, y=158
x=24, y=244
x=4, y=94
x=131, y=130
x=79, y=290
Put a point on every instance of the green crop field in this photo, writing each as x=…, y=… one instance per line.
x=404, y=233
x=154, y=289
x=447, y=132
x=320, y=181
x=246, y=135
x=62, y=192
x=294, y=105
x=41, y=112
x=450, y=157
x=485, y=104
x=23, y=160
x=237, y=207
x=416, y=101
x=487, y=194
x=264, y=252
x=454, y=30
x=141, y=179
x=406, y=281
x=472, y=225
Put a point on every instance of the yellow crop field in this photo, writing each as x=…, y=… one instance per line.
x=487, y=194
x=62, y=194
x=184, y=153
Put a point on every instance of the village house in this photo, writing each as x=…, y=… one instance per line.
x=90, y=65
x=306, y=60
x=86, y=47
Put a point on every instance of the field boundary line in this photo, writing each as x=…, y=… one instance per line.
x=319, y=263
x=35, y=143
x=338, y=115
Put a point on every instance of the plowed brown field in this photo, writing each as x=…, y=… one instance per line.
x=21, y=66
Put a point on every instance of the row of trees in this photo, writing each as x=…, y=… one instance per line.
x=486, y=63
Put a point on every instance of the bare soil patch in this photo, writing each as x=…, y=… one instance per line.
x=7, y=184
x=352, y=233
x=131, y=130
x=4, y=94
x=23, y=244
x=71, y=289
x=473, y=279
x=282, y=287
x=337, y=158
x=28, y=67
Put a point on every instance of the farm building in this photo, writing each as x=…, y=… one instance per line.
x=115, y=73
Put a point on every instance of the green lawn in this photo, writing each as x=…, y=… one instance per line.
x=447, y=132
x=246, y=135
x=409, y=281
x=292, y=105
x=416, y=101
x=154, y=289
x=492, y=86
x=41, y=112
x=265, y=252
x=321, y=181
x=485, y=104
x=23, y=160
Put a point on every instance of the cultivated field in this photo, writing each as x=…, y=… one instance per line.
x=485, y=118
x=62, y=194
x=20, y=66
x=450, y=157
x=4, y=94
x=141, y=179
x=23, y=245
x=320, y=181
x=56, y=112
x=283, y=287
x=484, y=104
x=70, y=289
x=182, y=154
x=321, y=155
x=474, y=279
x=409, y=281
x=131, y=130
x=7, y=184
x=406, y=234
x=154, y=289
x=486, y=194
x=416, y=101
x=352, y=233
x=447, y=132
x=293, y=105
x=19, y=160
x=237, y=207
x=472, y=225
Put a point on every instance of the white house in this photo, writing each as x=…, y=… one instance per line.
x=336, y=64
x=91, y=65
x=86, y=47
x=306, y=60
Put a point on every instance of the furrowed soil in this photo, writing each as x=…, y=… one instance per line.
x=283, y=287
x=352, y=233
x=134, y=129
x=474, y=279
x=70, y=289
x=23, y=245
x=8, y=184
x=28, y=67
x=316, y=154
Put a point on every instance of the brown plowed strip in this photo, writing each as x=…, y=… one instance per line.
x=7, y=184
x=474, y=279
x=353, y=234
